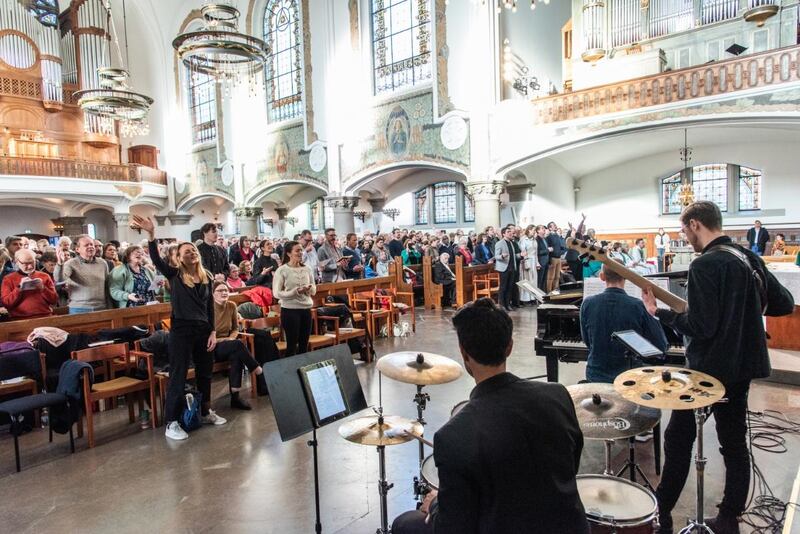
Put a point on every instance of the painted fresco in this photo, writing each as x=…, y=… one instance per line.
x=404, y=131
x=203, y=177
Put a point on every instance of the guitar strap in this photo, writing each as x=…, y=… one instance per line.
x=758, y=276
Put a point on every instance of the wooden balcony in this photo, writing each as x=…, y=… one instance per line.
x=765, y=69
x=66, y=168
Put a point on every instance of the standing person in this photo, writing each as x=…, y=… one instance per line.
x=395, y=245
x=491, y=237
x=111, y=256
x=661, y=242
x=542, y=256
x=758, y=238
x=355, y=267
x=265, y=266
x=294, y=285
x=382, y=257
x=192, y=334
x=310, y=257
x=462, y=249
x=554, y=245
x=214, y=258
x=129, y=283
x=84, y=277
x=507, y=462
x=483, y=251
x=519, y=257
x=410, y=254
x=530, y=265
x=572, y=257
x=331, y=261
x=27, y=293
x=505, y=264
x=243, y=251
x=727, y=340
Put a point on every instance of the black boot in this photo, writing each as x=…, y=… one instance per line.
x=261, y=385
x=724, y=524
x=665, y=524
x=238, y=403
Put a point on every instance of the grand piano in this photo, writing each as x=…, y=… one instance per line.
x=558, y=336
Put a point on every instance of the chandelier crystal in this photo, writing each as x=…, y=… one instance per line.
x=219, y=50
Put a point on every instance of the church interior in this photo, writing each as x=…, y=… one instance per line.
x=427, y=159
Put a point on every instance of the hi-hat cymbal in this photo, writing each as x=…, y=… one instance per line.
x=367, y=431
x=420, y=368
x=604, y=414
x=669, y=388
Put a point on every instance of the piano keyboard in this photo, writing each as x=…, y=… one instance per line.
x=675, y=350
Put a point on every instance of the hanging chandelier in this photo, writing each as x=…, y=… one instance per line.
x=114, y=100
x=686, y=193
x=511, y=5
x=219, y=50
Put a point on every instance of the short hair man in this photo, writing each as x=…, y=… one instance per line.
x=728, y=342
x=395, y=245
x=331, y=260
x=212, y=256
x=499, y=470
x=310, y=256
x=355, y=266
x=611, y=311
x=26, y=293
x=757, y=238
x=84, y=277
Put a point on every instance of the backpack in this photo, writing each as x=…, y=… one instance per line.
x=190, y=418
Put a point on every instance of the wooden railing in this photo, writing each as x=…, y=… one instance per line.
x=66, y=168
x=718, y=78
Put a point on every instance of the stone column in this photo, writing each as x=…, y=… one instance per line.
x=73, y=225
x=123, y=230
x=487, y=202
x=343, y=219
x=247, y=220
x=377, y=205
x=279, y=228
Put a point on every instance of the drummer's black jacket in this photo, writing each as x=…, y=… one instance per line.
x=507, y=462
x=724, y=323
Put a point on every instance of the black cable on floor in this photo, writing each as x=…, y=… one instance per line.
x=765, y=513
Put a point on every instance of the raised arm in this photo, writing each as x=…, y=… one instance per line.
x=142, y=223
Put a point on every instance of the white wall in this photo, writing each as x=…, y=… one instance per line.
x=16, y=220
x=627, y=196
x=104, y=225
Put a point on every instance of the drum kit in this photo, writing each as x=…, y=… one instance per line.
x=629, y=407
x=421, y=369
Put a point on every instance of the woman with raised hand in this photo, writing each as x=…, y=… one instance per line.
x=192, y=334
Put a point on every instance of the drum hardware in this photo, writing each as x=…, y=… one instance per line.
x=421, y=400
x=617, y=506
x=631, y=464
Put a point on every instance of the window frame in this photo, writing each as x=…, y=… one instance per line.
x=211, y=104
x=450, y=198
x=756, y=194
x=294, y=103
x=733, y=187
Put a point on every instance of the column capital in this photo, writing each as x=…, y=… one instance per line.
x=342, y=202
x=377, y=204
x=486, y=190
x=248, y=212
x=282, y=213
x=122, y=218
x=160, y=219
x=180, y=218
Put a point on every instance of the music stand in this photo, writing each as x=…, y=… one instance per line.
x=294, y=410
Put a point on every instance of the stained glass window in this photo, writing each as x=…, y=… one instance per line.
x=46, y=11
x=749, y=189
x=202, y=107
x=444, y=203
x=284, y=35
x=670, y=187
x=469, y=207
x=711, y=183
x=421, y=206
x=401, y=43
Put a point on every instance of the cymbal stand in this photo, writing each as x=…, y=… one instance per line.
x=383, y=485
x=608, y=472
x=631, y=464
x=698, y=525
x=421, y=400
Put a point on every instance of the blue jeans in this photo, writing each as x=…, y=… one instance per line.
x=73, y=311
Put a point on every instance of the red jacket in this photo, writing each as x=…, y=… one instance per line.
x=28, y=304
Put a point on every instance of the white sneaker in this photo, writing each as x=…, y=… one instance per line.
x=175, y=432
x=213, y=419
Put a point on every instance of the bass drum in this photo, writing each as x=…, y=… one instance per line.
x=617, y=506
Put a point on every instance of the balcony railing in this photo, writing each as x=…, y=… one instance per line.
x=66, y=168
x=719, y=78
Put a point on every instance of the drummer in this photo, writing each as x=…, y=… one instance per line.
x=507, y=461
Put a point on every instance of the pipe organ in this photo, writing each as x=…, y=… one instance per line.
x=626, y=22
x=91, y=29
x=594, y=33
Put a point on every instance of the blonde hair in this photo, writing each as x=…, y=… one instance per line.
x=185, y=274
x=5, y=257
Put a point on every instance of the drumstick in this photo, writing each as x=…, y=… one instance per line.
x=394, y=432
x=419, y=438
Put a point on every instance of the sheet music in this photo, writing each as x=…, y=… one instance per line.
x=327, y=394
x=595, y=286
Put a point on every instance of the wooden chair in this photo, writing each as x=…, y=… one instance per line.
x=271, y=324
x=341, y=334
x=115, y=387
x=486, y=285
x=400, y=297
x=368, y=313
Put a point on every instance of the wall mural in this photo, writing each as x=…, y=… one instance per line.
x=204, y=177
x=405, y=131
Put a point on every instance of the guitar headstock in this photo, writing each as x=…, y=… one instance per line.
x=591, y=251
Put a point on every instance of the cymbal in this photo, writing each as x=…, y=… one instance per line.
x=367, y=431
x=420, y=368
x=604, y=414
x=669, y=388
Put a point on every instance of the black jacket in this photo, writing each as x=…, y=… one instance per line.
x=395, y=247
x=724, y=322
x=190, y=304
x=213, y=258
x=541, y=251
x=554, y=240
x=441, y=275
x=763, y=238
x=259, y=279
x=507, y=462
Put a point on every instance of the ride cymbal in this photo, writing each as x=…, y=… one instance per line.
x=604, y=414
x=420, y=368
x=669, y=388
x=393, y=431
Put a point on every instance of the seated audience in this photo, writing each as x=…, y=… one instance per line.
x=443, y=276
x=461, y=249
x=410, y=255
x=779, y=246
x=129, y=283
x=233, y=279
x=483, y=250
x=245, y=270
x=27, y=293
x=84, y=277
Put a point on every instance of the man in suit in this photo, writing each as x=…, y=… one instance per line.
x=507, y=461
x=331, y=260
x=757, y=238
x=355, y=267
x=506, y=264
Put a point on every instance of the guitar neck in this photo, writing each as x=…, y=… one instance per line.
x=670, y=299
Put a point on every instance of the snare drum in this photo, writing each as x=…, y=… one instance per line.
x=457, y=408
x=616, y=505
x=429, y=472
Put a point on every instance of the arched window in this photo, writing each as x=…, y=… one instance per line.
x=46, y=11
x=421, y=206
x=202, y=97
x=469, y=207
x=711, y=183
x=749, y=189
x=670, y=187
x=283, y=33
x=444, y=203
x=401, y=43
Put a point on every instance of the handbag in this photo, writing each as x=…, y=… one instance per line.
x=190, y=418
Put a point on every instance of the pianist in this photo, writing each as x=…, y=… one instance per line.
x=611, y=311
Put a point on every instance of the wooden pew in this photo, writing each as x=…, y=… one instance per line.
x=433, y=292
x=464, y=276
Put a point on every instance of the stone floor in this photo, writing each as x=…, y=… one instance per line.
x=242, y=478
